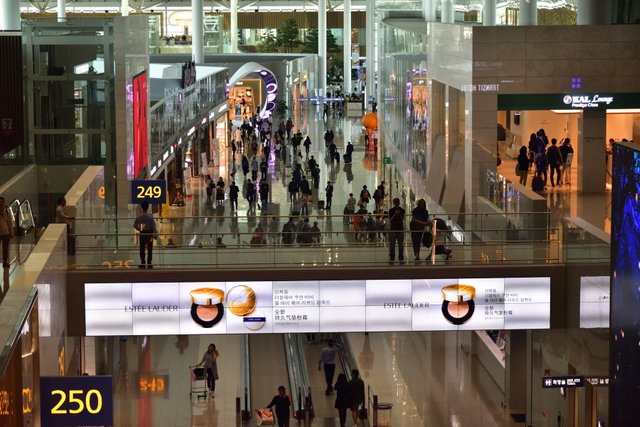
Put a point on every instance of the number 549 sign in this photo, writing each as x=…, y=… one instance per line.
x=76, y=401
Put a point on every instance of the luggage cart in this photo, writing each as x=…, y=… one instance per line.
x=198, y=382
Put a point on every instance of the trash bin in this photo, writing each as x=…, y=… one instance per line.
x=384, y=414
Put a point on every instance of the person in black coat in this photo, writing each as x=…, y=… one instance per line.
x=523, y=165
x=282, y=402
x=342, y=398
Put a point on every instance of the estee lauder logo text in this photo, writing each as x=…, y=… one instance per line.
x=149, y=308
x=405, y=305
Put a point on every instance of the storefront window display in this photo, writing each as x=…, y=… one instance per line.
x=404, y=112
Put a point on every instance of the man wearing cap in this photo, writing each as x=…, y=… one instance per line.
x=329, y=193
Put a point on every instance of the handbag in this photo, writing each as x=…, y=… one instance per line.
x=362, y=413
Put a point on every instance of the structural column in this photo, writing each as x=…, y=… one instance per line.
x=528, y=12
x=594, y=12
x=592, y=135
x=447, y=14
x=62, y=11
x=429, y=10
x=489, y=13
x=233, y=11
x=322, y=47
x=124, y=7
x=346, y=56
x=9, y=15
x=370, y=51
x=197, y=32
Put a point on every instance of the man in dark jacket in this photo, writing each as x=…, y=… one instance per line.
x=146, y=225
x=555, y=161
x=356, y=394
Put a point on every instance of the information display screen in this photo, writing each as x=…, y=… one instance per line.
x=150, y=191
x=316, y=306
x=76, y=401
x=595, y=299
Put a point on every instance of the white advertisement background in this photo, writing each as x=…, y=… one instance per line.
x=344, y=293
x=354, y=305
x=595, y=300
x=380, y=292
x=104, y=296
x=108, y=322
x=342, y=319
x=380, y=319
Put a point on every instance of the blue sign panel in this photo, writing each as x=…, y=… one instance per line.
x=76, y=401
x=150, y=191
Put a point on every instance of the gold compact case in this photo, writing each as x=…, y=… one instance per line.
x=241, y=300
x=458, y=305
x=207, y=309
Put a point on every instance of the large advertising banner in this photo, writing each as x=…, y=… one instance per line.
x=140, y=125
x=316, y=306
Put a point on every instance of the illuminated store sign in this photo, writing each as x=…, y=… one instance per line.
x=587, y=101
x=316, y=306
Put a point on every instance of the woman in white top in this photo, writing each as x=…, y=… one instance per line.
x=209, y=360
x=61, y=216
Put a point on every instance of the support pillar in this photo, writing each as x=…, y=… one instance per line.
x=370, y=52
x=322, y=47
x=346, y=57
x=62, y=10
x=489, y=13
x=594, y=12
x=528, y=12
x=592, y=134
x=447, y=15
x=197, y=32
x=124, y=7
x=233, y=11
x=10, y=15
x=429, y=10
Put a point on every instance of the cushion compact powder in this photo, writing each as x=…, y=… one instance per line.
x=458, y=305
x=207, y=309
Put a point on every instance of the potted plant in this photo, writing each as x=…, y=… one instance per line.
x=281, y=107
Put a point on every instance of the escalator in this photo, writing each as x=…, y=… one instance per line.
x=323, y=405
x=268, y=367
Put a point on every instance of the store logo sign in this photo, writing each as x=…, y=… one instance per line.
x=586, y=101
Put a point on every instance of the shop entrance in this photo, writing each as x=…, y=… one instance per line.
x=590, y=122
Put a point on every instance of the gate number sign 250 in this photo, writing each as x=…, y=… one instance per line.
x=76, y=401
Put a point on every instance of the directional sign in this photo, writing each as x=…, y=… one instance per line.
x=559, y=382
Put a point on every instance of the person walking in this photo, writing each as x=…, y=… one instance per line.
x=396, y=231
x=210, y=362
x=365, y=196
x=146, y=225
x=245, y=165
x=328, y=361
x=342, y=398
x=555, y=162
x=329, y=193
x=264, y=196
x=293, y=191
x=251, y=194
x=284, y=406
x=307, y=144
x=355, y=395
x=418, y=226
x=6, y=231
x=523, y=165
x=254, y=168
x=233, y=195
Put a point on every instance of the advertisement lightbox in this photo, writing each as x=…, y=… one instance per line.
x=195, y=308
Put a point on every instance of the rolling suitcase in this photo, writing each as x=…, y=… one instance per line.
x=320, y=204
x=264, y=417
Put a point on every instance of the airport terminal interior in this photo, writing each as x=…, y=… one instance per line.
x=193, y=195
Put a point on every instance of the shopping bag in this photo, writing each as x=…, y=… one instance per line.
x=264, y=417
